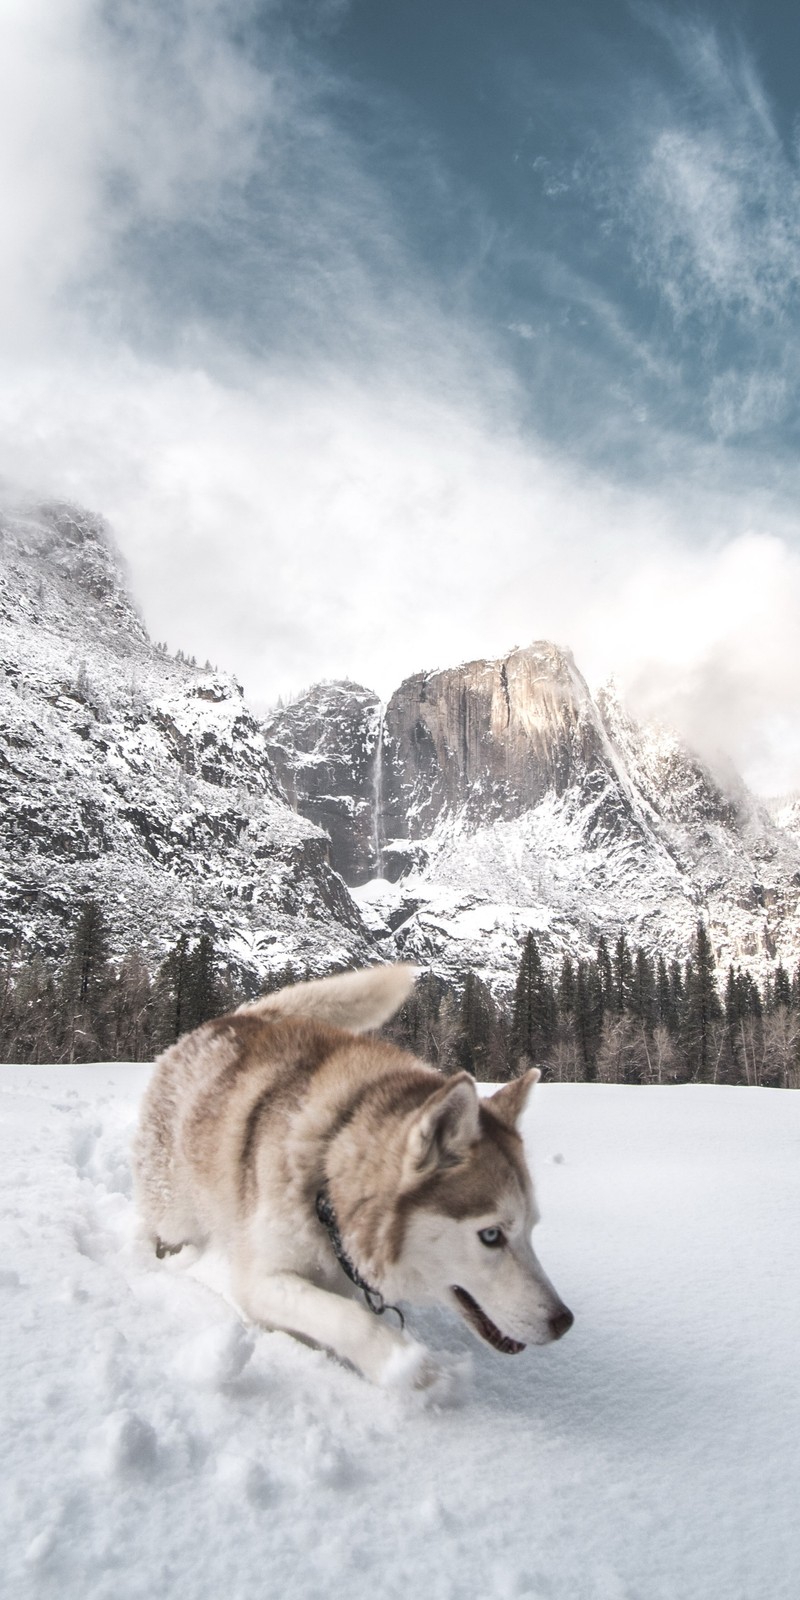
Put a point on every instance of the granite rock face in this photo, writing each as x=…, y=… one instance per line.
x=139, y=779
x=507, y=798
x=325, y=749
x=489, y=740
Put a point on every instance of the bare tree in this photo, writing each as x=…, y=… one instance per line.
x=564, y=1062
x=663, y=1057
x=781, y=1048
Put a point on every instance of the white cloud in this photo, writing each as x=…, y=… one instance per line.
x=711, y=645
x=323, y=473
x=742, y=403
x=295, y=529
x=50, y=124
x=711, y=193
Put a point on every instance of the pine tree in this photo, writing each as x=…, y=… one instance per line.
x=605, y=974
x=642, y=991
x=479, y=1045
x=533, y=1011
x=588, y=1014
x=622, y=974
x=677, y=990
x=86, y=988
x=170, y=995
x=743, y=1016
x=781, y=992
x=6, y=1000
x=89, y=955
x=703, y=1007
x=428, y=1022
x=202, y=997
x=618, y=1056
x=566, y=988
x=666, y=1015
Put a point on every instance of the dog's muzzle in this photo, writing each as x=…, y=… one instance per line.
x=483, y=1325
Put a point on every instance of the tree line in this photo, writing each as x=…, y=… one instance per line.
x=622, y=1016
x=88, y=1008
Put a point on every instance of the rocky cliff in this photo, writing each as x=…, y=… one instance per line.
x=325, y=749
x=491, y=740
x=139, y=779
x=506, y=797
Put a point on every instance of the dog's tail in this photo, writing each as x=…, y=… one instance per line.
x=356, y=1001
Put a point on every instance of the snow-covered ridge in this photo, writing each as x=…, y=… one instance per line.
x=136, y=778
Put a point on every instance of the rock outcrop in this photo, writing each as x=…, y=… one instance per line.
x=324, y=749
x=490, y=740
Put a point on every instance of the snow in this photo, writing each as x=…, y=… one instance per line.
x=153, y=1445
x=139, y=779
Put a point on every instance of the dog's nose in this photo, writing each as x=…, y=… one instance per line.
x=561, y=1322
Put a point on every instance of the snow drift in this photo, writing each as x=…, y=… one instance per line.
x=153, y=1445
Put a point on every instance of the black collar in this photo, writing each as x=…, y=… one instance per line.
x=373, y=1297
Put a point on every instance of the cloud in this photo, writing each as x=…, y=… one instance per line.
x=711, y=646
x=746, y=402
x=50, y=125
x=294, y=529
x=216, y=331
x=713, y=203
x=706, y=194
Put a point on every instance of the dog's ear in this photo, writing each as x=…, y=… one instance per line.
x=509, y=1102
x=443, y=1128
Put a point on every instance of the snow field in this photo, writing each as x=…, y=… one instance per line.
x=154, y=1446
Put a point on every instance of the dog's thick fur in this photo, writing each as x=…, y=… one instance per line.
x=247, y=1119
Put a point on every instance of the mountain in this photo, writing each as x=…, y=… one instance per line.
x=482, y=801
x=138, y=779
x=507, y=798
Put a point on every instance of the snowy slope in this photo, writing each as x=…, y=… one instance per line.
x=136, y=778
x=154, y=1447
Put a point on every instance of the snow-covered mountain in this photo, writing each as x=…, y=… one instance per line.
x=505, y=798
x=480, y=802
x=139, y=779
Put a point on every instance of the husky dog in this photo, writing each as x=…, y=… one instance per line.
x=322, y=1163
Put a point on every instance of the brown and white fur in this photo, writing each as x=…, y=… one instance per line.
x=249, y=1117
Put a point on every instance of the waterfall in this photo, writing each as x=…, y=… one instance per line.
x=377, y=800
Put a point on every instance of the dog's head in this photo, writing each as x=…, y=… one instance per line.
x=466, y=1212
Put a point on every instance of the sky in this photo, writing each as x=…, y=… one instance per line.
x=388, y=334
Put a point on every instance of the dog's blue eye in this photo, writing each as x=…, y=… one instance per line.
x=493, y=1238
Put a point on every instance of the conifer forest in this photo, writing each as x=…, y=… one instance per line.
x=623, y=1016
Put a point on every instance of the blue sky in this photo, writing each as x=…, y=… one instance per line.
x=611, y=189
x=389, y=333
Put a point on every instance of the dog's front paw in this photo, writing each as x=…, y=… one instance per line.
x=434, y=1380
